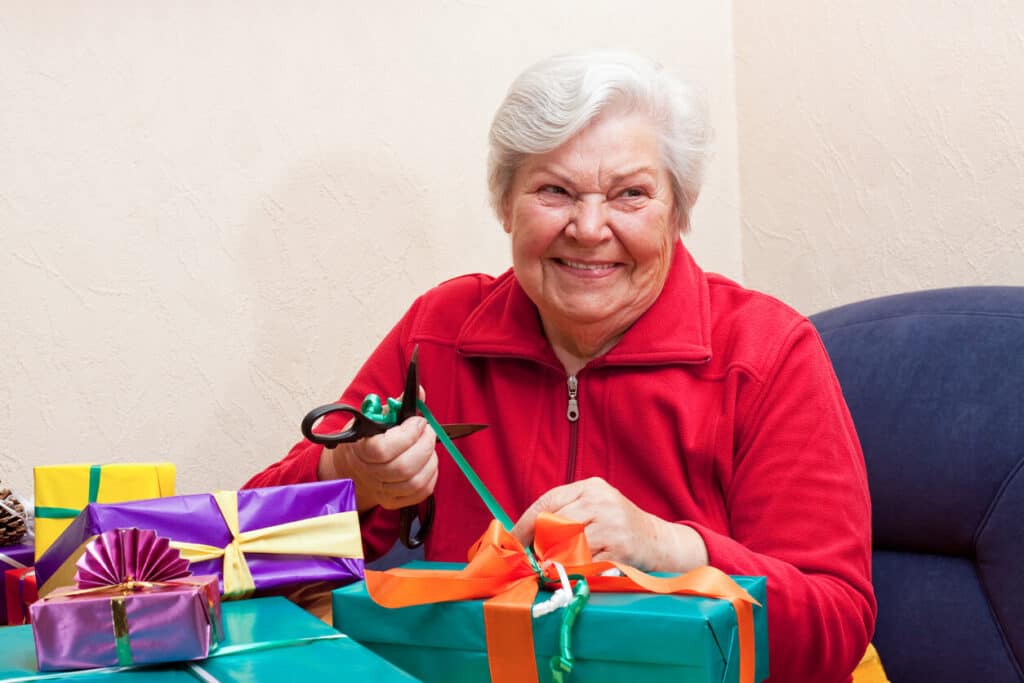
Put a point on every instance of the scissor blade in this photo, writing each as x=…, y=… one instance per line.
x=412, y=389
x=457, y=431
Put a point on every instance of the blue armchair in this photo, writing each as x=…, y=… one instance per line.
x=935, y=384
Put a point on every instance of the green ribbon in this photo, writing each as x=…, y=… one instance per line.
x=481, y=490
x=119, y=617
x=373, y=408
x=95, y=472
x=562, y=663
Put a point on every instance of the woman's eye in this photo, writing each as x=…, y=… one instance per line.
x=633, y=192
x=553, y=189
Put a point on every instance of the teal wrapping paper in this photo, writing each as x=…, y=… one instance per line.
x=273, y=624
x=618, y=636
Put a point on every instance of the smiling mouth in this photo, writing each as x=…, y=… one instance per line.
x=581, y=265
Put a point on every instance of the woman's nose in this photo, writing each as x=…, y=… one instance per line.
x=590, y=220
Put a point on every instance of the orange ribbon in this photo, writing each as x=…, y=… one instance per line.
x=500, y=571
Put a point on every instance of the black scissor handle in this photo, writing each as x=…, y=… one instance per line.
x=360, y=428
x=408, y=515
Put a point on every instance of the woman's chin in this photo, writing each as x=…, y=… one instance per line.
x=588, y=316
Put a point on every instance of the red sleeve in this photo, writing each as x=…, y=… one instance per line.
x=383, y=373
x=800, y=515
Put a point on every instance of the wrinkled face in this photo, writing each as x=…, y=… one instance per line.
x=593, y=226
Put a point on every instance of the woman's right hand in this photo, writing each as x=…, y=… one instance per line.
x=393, y=469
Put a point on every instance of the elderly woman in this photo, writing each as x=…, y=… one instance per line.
x=684, y=419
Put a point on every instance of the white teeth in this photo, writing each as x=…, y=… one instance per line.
x=585, y=266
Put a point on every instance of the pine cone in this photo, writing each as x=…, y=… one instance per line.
x=12, y=518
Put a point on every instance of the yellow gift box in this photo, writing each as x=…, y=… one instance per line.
x=62, y=491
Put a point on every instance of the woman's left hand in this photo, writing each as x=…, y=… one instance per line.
x=616, y=529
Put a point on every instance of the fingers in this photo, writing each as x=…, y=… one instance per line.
x=387, y=447
x=393, y=469
x=580, y=501
x=615, y=528
x=552, y=501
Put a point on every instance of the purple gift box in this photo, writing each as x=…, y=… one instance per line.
x=286, y=535
x=174, y=621
x=16, y=556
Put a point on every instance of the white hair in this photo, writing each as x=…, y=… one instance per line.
x=556, y=98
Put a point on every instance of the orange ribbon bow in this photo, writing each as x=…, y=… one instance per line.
x=500, y=571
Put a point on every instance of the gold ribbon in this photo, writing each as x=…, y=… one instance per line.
x=333, y=535
x=129, y=587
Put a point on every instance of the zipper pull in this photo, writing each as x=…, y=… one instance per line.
x=573, y=413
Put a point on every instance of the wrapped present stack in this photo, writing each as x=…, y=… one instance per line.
x=118, y=593
x=134, y=604
x=254, y=540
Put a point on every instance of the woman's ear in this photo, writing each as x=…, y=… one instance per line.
x=681, y=217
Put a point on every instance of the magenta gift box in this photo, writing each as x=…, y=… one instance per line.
x=172, y=621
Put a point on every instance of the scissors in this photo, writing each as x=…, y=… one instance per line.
x=371, y=420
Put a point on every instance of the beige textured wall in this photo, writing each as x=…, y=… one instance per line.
x=209, y=215
x=881, y=146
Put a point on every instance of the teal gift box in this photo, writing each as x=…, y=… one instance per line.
x=638, y=637
x=265, y=639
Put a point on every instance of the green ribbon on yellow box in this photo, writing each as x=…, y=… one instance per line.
x=63, y=491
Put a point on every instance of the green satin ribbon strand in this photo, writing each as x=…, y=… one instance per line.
x=562, y=663
x=95, y=472
x=57, y=513
x=215, y=631
x=373, y=408
x=119, y=616
x=481, y=490
x=94, y=482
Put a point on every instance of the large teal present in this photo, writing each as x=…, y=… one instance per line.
x=266, y=639
x=636, y=637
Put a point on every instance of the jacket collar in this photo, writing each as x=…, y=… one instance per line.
x=675, y=329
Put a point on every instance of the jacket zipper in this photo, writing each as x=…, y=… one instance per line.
x=572, y=413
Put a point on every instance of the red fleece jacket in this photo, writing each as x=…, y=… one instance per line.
x=718, y=409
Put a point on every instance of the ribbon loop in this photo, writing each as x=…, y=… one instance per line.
x=374, y=409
